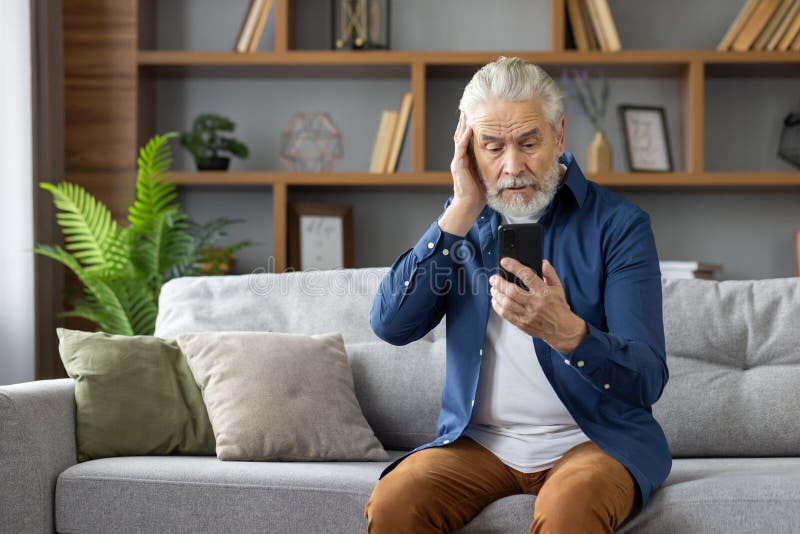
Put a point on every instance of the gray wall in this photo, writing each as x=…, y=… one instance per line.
x=749, y=231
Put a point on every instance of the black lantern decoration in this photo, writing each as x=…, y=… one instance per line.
x=360, y=24
x=789, y=145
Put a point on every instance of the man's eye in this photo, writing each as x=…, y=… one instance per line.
x=494, y=149
x=529, y=145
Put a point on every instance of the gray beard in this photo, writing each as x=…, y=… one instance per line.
x=517, y=207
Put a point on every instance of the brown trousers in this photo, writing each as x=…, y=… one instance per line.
x=440, y=489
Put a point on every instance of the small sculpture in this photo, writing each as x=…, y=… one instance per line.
x=311, y=142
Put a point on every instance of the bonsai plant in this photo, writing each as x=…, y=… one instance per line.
x=122, y=269
x=212, y=151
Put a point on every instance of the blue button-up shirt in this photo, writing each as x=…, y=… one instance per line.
x=602, y=248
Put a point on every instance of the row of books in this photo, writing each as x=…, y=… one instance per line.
x=389, y=139
x=689, y=269
x=592, y=25
x=255, y=19
x=764, y=25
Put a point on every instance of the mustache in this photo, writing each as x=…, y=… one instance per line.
x=506, y=182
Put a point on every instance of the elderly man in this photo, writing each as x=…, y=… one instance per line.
x=548, y=390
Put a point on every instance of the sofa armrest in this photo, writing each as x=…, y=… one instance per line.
x=37, y=443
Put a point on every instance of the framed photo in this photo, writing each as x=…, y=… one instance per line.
x=646, y=140
x=320, y=236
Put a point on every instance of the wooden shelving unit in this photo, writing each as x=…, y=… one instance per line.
x=692, y=67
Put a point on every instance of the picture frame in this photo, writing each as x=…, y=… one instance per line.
x=647, y=145
x=320, y=236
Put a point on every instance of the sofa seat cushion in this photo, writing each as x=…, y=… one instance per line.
x=203, y=494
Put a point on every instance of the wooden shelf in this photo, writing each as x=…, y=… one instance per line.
x=342, y=179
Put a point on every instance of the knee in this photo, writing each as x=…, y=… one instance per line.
x=395, y=506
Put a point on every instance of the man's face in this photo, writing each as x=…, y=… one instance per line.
x=517, y=154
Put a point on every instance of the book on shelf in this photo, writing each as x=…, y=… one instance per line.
x=790, y=16
x=607, y=22
x=577, y=22
x=248, y=25
x=738, y=23
x=253, y=24
x=261, y=23
x=792, y=31
x=771, y=27
x=755, y=24
x=380, y=151
x=399, y=133
x=689, y=269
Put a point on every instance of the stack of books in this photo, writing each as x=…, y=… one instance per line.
x=592, y=25
x=689, y=269
x=252, y=26
x=764, y=25
x=389, y=139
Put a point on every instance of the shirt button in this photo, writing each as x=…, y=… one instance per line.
x=445, y=251
x=430, y=245
x=473, y=402
x=445, y=442
x=490, y=253
x=580, y=363
x=480, y=352
x=406, y=283
x=607, y=386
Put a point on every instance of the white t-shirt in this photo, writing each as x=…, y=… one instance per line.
x=517, y=414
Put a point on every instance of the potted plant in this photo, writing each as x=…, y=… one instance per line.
x=120, y=268
x=212, y=151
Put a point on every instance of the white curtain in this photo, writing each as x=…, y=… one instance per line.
x=17, y=344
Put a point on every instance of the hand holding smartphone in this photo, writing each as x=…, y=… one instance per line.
x=523, y=242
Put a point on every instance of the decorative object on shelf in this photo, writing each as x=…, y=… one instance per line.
x=646, y=139
x=578, y=85
x=789, y=144
x=797, y=250
x=122, y=269
x=255, y=19
x=311, y=142
x=320, y=236
x=689, y=269
x=212, y=151
x=361, y=24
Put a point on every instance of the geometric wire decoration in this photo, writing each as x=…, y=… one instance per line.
x=789, y=145
x=311, y=143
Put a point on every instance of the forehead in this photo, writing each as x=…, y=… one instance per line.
x=497, y=117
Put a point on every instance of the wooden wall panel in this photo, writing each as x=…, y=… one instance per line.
x=100, y=43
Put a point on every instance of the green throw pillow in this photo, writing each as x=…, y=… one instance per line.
x=135, y=395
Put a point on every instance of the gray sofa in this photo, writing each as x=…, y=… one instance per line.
x=730, y=412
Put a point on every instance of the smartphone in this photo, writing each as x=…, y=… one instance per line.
x=523, y=242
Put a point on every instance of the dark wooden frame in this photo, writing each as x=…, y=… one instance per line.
x=623, y=109
x=298, y=209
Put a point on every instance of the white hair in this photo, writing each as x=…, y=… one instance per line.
x=513, y=79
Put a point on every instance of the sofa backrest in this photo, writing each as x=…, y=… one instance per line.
x=733, y=351
x=399, y=388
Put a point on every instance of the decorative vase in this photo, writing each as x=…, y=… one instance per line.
x=599, y=154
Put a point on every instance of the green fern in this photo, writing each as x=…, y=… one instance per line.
x=122, y=269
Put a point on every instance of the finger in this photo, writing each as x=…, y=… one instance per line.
x=463, y=141
x=462, y=120
x=507, y=308
x=524, y=273
x=509, y=289
x=549, y=274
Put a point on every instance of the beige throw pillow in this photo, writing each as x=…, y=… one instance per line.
x=274, y=396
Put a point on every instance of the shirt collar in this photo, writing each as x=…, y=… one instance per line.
x=574, y=180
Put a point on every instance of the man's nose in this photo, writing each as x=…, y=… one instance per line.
x=513, y=161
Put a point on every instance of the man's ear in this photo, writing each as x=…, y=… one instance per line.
x=562, y=135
